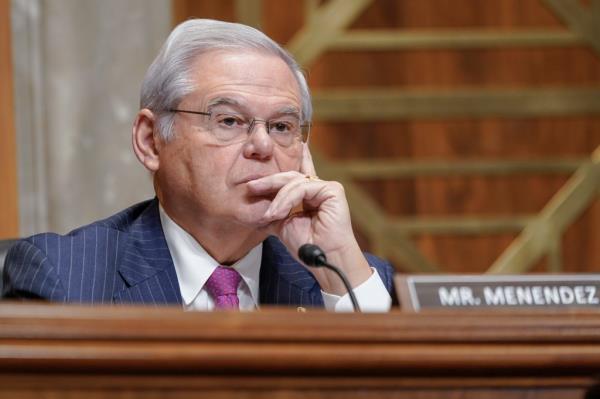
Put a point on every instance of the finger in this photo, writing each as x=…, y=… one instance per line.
x=311, y=193
x=272, y=183
x=282, y=204
x=307, y=166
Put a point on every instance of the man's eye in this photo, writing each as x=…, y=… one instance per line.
x=230, y=121
x=281, y=127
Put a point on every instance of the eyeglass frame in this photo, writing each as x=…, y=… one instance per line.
x=252, y=122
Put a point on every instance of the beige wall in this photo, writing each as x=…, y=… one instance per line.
x=78, y=70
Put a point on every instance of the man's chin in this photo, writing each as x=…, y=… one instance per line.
x=252, y=213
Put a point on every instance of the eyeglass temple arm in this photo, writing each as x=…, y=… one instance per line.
x=188, y=112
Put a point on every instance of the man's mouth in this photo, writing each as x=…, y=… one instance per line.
x=250, y=178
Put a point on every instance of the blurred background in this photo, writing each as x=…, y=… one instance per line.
x=466, y=132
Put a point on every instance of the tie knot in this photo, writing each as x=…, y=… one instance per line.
x=223, y=281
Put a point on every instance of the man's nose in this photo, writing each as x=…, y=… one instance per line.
x=259, y=144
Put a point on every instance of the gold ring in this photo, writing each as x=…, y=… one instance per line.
x=312, y=178
x=297, y=210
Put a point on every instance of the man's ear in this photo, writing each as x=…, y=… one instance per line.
x=146, y=143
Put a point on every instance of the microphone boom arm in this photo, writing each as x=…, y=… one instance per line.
x=346, y=284
x=314, y=256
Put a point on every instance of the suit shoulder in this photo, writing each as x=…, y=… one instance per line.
x=119, y=221
x=29, y=273
x=123, y=219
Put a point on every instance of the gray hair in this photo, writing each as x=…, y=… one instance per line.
x=167, y=80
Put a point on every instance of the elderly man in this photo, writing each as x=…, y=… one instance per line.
x=223, y=129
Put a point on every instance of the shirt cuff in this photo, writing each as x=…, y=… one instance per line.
x=372, y=297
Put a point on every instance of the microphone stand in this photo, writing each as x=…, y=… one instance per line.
x=314, y=256
x=346, y=284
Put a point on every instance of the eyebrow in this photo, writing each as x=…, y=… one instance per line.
x=223, y=101
x=285, y=110
x=289, y=110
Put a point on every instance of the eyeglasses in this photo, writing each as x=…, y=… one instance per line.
x=232, y=128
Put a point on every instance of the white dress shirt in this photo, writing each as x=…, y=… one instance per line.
x=194, y=266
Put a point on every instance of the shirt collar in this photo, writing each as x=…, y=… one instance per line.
x=194, y=265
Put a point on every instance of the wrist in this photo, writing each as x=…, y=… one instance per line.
x=351, y=262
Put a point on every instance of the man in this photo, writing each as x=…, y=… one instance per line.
x=223, y=130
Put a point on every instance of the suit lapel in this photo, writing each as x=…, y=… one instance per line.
x=147, y=267
x=284, y=281
x=149, y=274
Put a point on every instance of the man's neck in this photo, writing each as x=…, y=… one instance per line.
x=226, y=247
x=225, y=242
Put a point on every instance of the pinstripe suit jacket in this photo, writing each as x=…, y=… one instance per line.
x=125, y=259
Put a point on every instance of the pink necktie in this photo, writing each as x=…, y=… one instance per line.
x=222, y=286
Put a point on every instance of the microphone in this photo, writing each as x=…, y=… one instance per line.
x=313, y=256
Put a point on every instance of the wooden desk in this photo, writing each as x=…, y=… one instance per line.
x=66, y=351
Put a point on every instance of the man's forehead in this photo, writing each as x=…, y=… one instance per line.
x=243, y=67
x=224, y=61
x=244, y=79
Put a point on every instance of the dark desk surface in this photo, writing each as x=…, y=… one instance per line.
x=55, y=349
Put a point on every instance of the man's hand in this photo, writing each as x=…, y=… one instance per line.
x=309, y=210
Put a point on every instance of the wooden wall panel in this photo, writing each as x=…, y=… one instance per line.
x=448, y=69
x=482, y=138
x=456, y=14
x=581, y=242
x=575, y=136
x=282, y=18
x=9, y=215
x=491, y=138
x=185, y=9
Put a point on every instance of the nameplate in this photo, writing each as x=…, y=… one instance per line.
x=422, y=292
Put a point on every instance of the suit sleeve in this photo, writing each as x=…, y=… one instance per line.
x=377, y=294
x=384, y=269
x=29, y=274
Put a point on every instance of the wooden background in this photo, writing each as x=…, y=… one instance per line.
x=488, y=138
x=442, y=196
